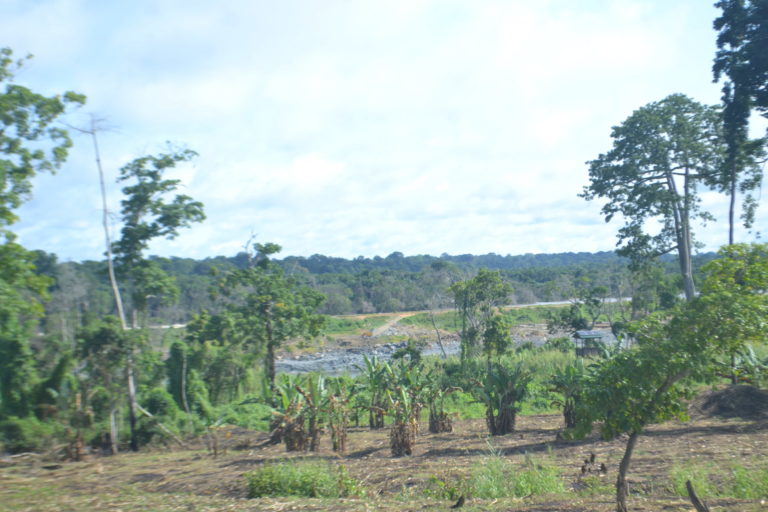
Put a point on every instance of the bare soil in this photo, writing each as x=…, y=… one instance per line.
x=166, y=479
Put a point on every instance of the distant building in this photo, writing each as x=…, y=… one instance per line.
x=588, y=343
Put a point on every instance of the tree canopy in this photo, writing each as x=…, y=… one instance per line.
x=661, y=155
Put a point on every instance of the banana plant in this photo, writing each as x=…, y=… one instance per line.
x=569, y=383
x=502, y=389
x=315, y=397
x=337, y=410
x=373, y=381
x=289, y=414
x=406, y=396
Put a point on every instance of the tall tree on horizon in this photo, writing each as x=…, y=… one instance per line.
x=661, y=154
x=742, y=57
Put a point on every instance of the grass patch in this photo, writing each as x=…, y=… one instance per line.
x=529, y=315
x=464, y=406
x=710, y=480
x=302, y=478
x=593, y=485
x=345, y=325
x=446, y=320
x=496, y=478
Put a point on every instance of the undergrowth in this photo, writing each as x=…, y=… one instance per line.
x=711, y=480
x=302, y=478
x=496, y=478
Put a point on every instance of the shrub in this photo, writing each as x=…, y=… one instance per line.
x=302, y=478
x=26, y=434
x=563, y=344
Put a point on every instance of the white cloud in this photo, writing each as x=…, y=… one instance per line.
x=351, y=128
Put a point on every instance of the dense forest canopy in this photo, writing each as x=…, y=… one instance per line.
x=360, y=285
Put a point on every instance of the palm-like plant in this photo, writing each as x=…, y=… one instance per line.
x=289, y=414
x=435, y=392
x=569, y=382
x=373, y=380
x=315, y=395
x=502, y=389
x=406, y=399
x=337, y=409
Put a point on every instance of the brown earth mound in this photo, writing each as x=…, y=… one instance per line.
x=738, y=401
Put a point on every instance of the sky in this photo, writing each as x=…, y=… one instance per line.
x=357, y=127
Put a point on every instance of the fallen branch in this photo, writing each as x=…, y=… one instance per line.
x=162, y=427
x=699, y=505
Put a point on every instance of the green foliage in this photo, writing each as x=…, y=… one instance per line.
x=563, y=344
x=569, y=384
x=337, y=325
x=145, y=211
x=302, y=478
x=495, y=478
x=446, y=321
x=373, y=383
x=502, y=389
x=649, y=382
x=253, y=416
x=660, y=153
x=593, y=485
x=698, y=473
x=477, y=301
x=31, y=139
x=496, y=337
x=272, y=307
x=721, y=480
x=743, y=29
x=27, y=434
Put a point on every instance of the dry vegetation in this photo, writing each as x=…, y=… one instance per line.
x=172, y=479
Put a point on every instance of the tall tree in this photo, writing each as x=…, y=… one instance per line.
x=743, y=59
x=477, y=300
x=271, y=307
x=147, y=214
x=660, y=155
x=30, y=142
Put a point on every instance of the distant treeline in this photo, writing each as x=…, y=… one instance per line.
x=359, y=285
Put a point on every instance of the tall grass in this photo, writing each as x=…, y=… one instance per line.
x=729, y=481
x=495, y=478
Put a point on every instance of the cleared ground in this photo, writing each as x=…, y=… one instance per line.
x=192, y=479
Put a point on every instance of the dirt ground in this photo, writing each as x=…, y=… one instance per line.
x=192, y=479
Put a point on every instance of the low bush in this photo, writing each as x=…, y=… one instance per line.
x=302, y=478
x=27, y=434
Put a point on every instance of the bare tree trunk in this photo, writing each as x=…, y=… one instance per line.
x=683, y=235
x=184, y=390
x=269, y=362
x=113, y=432
x=622, y=488
x=437, y=331
x=699, y=505
x=116, y=289
x=732, y=207
x=131, y=399
x=105, y=222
